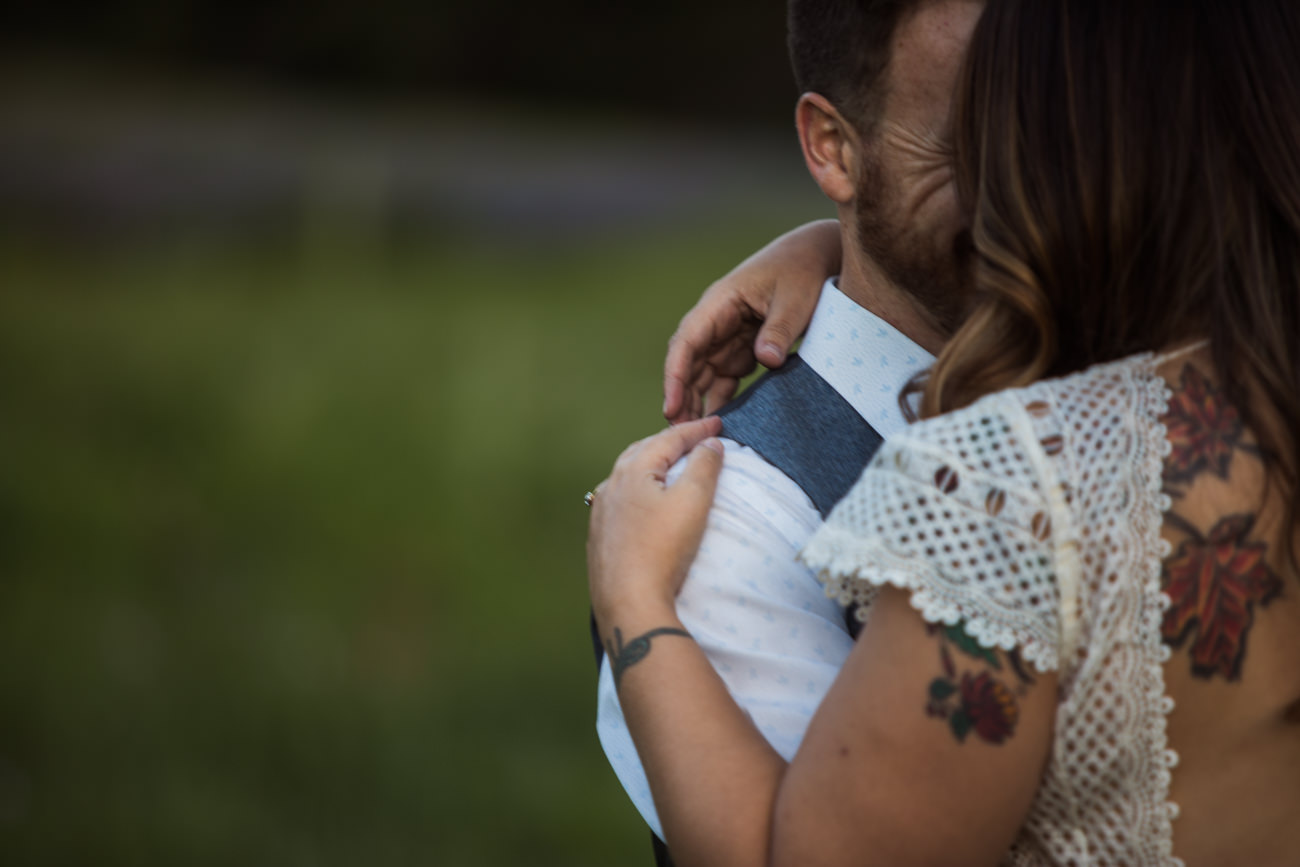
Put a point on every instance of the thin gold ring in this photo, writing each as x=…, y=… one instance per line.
x=588, y=498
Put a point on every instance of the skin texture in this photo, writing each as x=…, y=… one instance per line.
x=907, y=217
x=1234, y=628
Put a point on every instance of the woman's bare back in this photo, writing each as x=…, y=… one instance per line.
x=1234, y=629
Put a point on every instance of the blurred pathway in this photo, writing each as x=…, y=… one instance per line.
x=115, y=158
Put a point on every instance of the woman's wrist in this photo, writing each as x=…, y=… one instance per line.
x=634, y=611
x=627, y=649
x=629, y=633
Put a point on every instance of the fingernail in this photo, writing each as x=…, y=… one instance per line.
x=715, y=444
x=771, y=349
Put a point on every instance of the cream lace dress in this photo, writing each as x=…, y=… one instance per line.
x=1034, y=515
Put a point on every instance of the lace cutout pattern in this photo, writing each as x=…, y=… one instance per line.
x=1035, y=515
x=952, y=512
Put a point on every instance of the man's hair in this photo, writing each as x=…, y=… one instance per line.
x=841, y=49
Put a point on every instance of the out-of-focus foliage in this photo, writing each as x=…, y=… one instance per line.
x=292, y=545
x=307, y=356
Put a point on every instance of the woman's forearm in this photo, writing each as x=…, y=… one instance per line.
x=713, y=775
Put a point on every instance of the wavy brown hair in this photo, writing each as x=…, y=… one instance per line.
x=1133, y=174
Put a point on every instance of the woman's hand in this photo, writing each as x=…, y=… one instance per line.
x=645, y=532
x=753, y=314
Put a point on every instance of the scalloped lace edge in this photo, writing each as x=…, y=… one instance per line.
x=851, y=568
x=1155, y=403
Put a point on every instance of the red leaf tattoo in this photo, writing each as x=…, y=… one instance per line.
x=1202, y=427
x=1214, y=583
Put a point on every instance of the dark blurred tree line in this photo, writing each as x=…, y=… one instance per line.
x=719, y=59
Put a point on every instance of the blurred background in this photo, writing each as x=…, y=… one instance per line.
x=316, y=322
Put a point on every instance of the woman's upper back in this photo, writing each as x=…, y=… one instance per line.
x=1112, y=525
x=1206, y=532
x=1182, y=693
x=1233, y=623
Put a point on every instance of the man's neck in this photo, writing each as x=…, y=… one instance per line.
x=863, y=282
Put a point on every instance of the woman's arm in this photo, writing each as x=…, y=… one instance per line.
x=928, y=749
x=713, y=776
x=754, y=313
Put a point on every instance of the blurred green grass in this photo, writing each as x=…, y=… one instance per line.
x=292, y=544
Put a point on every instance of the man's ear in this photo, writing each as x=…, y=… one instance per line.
x=831, y=147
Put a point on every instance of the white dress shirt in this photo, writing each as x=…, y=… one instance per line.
x=760, y=616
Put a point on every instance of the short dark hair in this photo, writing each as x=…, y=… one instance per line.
x=841, y=49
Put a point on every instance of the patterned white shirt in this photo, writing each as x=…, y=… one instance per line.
x=760, y=616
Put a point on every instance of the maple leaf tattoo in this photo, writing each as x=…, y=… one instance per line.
x=1203, y=429
x=1214, y=582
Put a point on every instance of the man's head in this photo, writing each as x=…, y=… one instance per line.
x=840, y=49
x=878, y=79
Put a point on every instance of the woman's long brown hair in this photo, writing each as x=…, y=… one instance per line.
x=1133, y=173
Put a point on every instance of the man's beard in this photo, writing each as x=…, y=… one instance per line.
x=937, y=279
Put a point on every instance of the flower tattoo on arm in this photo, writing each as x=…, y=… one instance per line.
x=624, y=656
x=980, y=703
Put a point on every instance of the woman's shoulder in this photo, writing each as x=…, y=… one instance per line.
x=978, y=511
x=972, y=512
x=1097, y=412
x=1107, y=384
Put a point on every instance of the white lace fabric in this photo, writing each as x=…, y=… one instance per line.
x=1034, y=516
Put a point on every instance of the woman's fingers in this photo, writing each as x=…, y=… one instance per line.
x=659, y=452
x=786, y=319
x=699, y=478
x=762, y=305
x=667, y=447
x=644, y=532
x=689, y=350
x=719, y=392
x=679, y=371
x=719, y=329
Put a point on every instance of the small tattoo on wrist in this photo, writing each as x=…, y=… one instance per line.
x=624, y=656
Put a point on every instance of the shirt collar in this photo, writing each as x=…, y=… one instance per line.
x=863, y=357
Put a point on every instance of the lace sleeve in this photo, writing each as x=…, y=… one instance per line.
x=964, y=511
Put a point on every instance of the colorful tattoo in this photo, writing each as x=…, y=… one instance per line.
x=980, y=703
x=1203, y=429
x=624, y=656
x=1214, y=582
